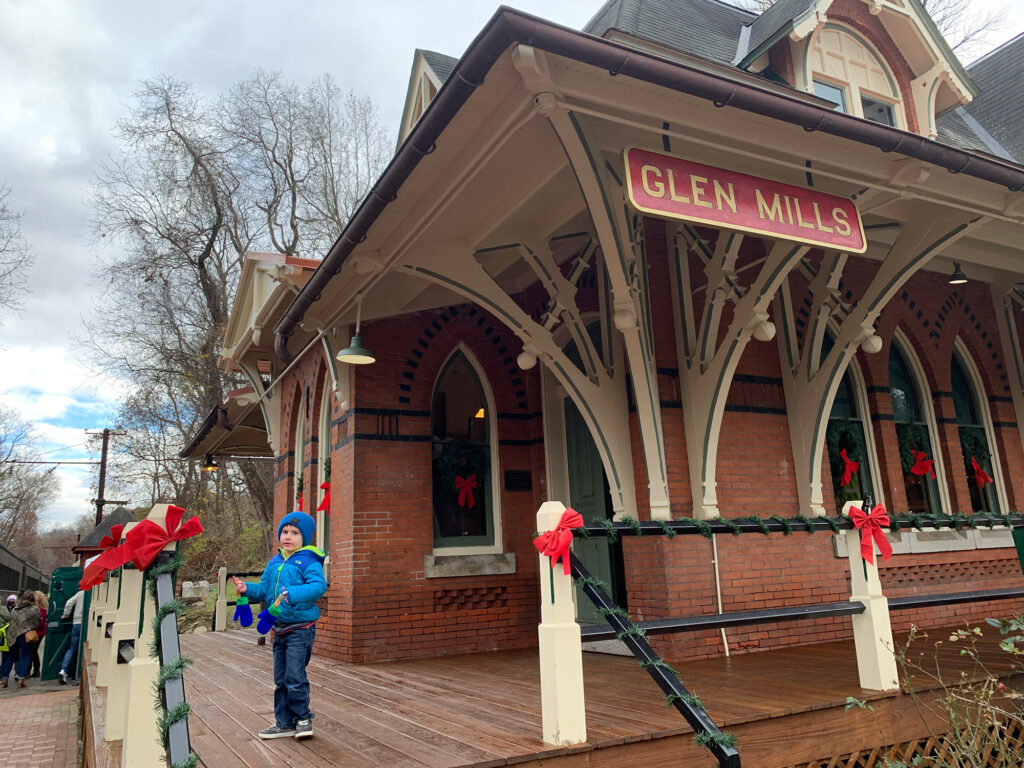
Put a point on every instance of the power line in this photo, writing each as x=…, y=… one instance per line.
x=47, y=463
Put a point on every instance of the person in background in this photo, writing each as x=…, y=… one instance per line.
x=72, y=610
x=43, y=603
x=24, y=618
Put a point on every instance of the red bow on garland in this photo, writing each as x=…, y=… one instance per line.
x=112, y=557
x=325, y=505
x=298, y=503
x=555, y=544
x=145, y=541
x=980, y=475
x=465, y=486
x=849, y=467
x=870, y=526
x=922, y=466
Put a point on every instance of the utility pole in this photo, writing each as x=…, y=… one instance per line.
x=100, y=501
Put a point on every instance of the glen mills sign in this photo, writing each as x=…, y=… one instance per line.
x=669, y=186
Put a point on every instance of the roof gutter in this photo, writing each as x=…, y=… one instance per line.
x=508, y=27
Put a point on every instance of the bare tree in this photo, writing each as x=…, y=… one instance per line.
x=25, y=489
x=15, y=256
x=199, y=181
x=967, y=26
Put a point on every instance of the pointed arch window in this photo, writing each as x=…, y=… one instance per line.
x=461, y=421
x=974, y=444
x=913, y=435
x=323, y=517
x=298, y=500
x=847, y=432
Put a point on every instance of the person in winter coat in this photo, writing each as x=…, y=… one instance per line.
x=72, y=610
x=5, y=616
x=24, y=618
x=295, y=576
x=44, y=604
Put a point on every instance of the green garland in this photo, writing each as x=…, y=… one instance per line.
x=722, y=739
x=172, y=669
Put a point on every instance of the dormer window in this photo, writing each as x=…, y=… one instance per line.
x=846, y=70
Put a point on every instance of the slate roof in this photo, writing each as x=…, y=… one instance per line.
x=707, y=28
x=778, y=17
x=92, y=539
x=999, y=105
x=953, y=129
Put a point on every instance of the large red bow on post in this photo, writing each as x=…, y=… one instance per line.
x=922, y=465
x=325, y=505
x=112, y=557
x=849, y=467
x=145, y=541
x=465, y=486
x=980, y=475
x=870, y=526
x=298, y=503
x=555, y=544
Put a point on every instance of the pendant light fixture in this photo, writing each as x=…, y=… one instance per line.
x=355, y=353
x=958, y=277
x=209, y=464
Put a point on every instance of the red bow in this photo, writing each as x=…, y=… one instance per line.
x=112, y=557
x=922, y=466
x=849, y=467
x=980, y=475
x=555, y=544
x=870, y=526
x=298, y=503
x=145, y=541
x=325, y=505
x=465, y=486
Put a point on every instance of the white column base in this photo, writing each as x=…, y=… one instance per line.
x=141, y=742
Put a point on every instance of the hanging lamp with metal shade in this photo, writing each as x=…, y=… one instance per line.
x=958, y=277
x=209, y=464
x=355, y=353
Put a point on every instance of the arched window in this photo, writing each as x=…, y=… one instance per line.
x=846, y=433
x=974, y=443
x=299, y=499
x=917, y=453
x=845, y=69
x=323, y=517
x=461, y=428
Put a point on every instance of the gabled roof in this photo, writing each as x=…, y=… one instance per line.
x=999, y=105
x=706, y=28
x=427, y=65
x=441, y=64
x=775, y=22
x=91, y=540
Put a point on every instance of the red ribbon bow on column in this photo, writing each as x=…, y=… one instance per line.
x=325, y=504
x=555, y=544
x=145, y=541
x=980, y=475
x=922, y=465
x=870, y=526
x=298, y=503
x=112, y=557
x=849, y=467
x=465, y=486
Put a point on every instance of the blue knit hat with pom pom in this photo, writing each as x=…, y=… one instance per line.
x=302, y=521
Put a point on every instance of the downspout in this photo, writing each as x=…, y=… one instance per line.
x=508, y=27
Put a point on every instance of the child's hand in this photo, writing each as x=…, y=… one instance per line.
x=284, y=595
x=240, y=586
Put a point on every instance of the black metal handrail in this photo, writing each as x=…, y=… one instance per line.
x=679, y=697
x=952, y=598
x=178, y=743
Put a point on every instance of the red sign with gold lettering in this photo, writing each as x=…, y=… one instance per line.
x=670, y=186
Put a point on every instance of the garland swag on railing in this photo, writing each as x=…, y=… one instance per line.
x=169, y=689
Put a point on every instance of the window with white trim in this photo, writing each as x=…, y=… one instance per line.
x=913, y=434
x=974, y=444
x=323, y=474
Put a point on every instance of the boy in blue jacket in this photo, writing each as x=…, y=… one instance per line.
x=296, y=574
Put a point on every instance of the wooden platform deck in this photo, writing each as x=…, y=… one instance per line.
x=483, y=710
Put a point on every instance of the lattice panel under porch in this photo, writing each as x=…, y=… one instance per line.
x=470, y=599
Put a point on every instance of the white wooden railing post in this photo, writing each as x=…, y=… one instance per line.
x=111, y=604
x=142, y=744
x=220, y=614
x=561, y=651
x=125, y=629
x=872, y=631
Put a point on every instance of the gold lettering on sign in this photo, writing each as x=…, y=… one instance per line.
x=842, y=221
x=817, y=218
x=799, y=216
x=676, y=197
x=721, y=196
x=658, y=188
x=773, y=213
x=699, y=191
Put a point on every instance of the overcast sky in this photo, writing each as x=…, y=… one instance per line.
x=67, y=72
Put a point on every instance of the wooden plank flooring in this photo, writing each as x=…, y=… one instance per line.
x=483, y=710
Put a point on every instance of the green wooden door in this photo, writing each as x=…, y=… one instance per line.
x=588, y=495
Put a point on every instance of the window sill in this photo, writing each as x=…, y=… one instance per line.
x=945, y=540
x=450, y=566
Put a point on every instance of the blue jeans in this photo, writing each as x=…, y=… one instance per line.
x=19, y=657
x=72, y=652
x=291, y=687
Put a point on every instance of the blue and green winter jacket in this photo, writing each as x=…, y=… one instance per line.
x=302, y=574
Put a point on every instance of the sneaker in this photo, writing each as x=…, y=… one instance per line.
x=276, y=732
x=303, y=729
x=62, y=677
